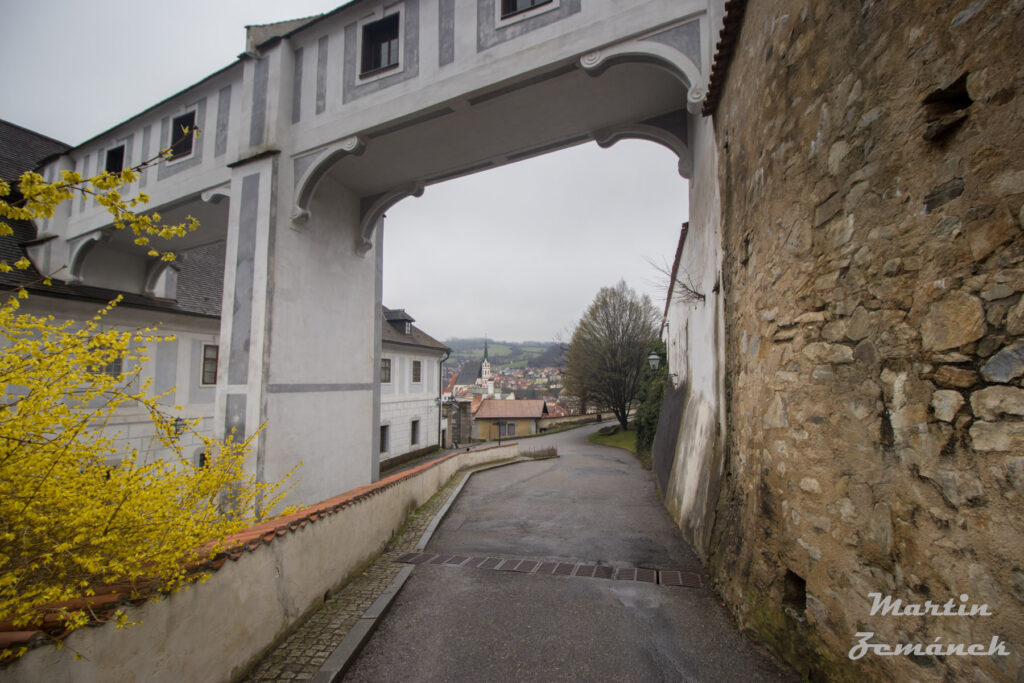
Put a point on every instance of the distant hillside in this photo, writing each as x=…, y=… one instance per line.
x=507, y=354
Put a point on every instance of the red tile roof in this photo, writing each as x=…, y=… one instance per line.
x=493, y=408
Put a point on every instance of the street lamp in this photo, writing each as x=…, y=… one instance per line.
x=654, y=360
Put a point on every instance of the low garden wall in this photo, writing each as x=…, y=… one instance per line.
x=279, y=571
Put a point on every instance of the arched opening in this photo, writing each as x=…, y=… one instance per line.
x=342, y=190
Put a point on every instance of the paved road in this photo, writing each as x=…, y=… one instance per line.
x=592, y=504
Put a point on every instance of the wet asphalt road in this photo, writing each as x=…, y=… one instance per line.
x=592, y=504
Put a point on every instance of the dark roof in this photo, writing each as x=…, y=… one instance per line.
x=22, y=149
x=394, y=333
x=199, y=291
x=201, y=280
x=201, y=274
x=394, y=315
x=470, y=371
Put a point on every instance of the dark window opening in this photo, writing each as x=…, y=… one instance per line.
x=383, y=438
x=210, y=353
x=513, y=7
x=385, y=371
x=417, y=371
x=794, y=594
x=183, y=130
x=415, y=432
x=115, y=160
x=380, y=45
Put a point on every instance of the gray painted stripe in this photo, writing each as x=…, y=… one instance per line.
x=321, y=75
x=312, y=388
x=241, y=315
x=258, y=121
x=685, y=38
x=446, y=32
x=488, y=35
x=297, y=87
x=166, y=369
x=234, y=416
x=223, y=118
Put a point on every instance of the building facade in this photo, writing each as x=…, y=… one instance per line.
x=410, y=398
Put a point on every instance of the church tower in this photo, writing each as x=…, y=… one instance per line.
x=485, y=366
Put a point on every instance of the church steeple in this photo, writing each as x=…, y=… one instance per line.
x=485, y=366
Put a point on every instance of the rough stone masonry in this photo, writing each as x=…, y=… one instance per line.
x=872, y=173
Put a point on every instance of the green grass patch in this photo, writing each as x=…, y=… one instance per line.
x=620, y=439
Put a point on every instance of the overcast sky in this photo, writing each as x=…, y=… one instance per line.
x=461, y=259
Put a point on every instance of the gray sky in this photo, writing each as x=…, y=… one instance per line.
x=462, y=259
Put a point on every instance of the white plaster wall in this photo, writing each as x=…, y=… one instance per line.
x=216, y=630
x=600, y=22
x=131, y=424
x=78, y=217
x=695, y=351
x=403, y=401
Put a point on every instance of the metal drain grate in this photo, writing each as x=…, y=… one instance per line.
x=675, y=578
x=665, y=577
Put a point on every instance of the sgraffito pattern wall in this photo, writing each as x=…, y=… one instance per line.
x=871, y=162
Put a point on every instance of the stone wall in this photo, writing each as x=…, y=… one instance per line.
x=872, y=179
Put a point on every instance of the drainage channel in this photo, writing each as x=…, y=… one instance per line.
x=663, y=577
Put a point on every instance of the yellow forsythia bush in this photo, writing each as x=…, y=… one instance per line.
x=78, y=510
x=72, y=519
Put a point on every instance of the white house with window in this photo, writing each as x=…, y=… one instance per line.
x=410, y=383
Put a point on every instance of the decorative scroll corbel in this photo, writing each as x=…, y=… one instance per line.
x=373, y=209
x=215, y=194
x=307, y=179
x=642, y=131
x=681, y=66
x=81, y=248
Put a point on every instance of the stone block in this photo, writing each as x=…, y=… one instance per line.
x=943, y=194
x=999, y=291
x=998, y=436
x=1006, y=365
x=991, y=403
x=823, y=352
x=946, y=403
x=1015, y=318
x=985, y=236
x=952, y=376
x=957, y=319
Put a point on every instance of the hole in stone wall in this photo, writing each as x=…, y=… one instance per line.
x=946, y=109
x=794, y=594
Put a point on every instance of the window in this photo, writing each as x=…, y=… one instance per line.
x=183, y=129
x=115, y=160
x=385, y=371
x=380, y=45
x=510, y=7
x=408, y=328
x=417, y=371
x=383, y=438
x=506, y=429
x=113, y=368
x=210, y=353
x=415, y=432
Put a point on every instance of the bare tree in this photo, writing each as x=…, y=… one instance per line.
x=609, y=348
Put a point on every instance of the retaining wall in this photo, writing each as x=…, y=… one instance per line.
x=281, y=570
